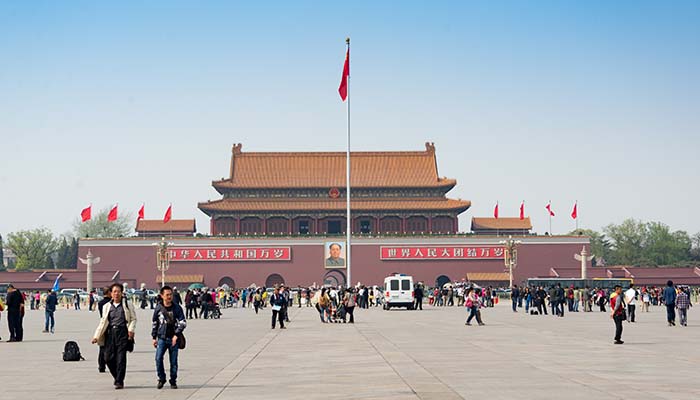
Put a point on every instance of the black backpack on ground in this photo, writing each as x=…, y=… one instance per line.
x=71, y=352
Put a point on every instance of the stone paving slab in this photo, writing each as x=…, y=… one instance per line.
x=395, y=354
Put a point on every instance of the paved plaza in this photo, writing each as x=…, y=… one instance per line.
x=394, y=354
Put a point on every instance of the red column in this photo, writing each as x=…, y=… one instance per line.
x=212, y=227
x=264, y=226
x=376, y=225
x=238, y=225
x=456, y=224
x=430, y=224
x=289, y=225
x=403, y=225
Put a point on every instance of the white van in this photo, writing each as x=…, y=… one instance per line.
x=398, y=291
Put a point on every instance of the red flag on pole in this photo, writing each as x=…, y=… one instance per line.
x=86, y=213
x=522, y=210
x=495, y=211
x=343, y=88
x=168, y=214
x=112, y=216
x=141, y=213
x=574, y=213
x=549, y=208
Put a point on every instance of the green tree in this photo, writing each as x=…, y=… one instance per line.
x=32, y=248
x=663, y=247
x=62, y=254
x=99, y=227
x=695, y=247
x=627, y=241
x=72, y=260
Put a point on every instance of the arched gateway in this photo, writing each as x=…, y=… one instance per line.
x=334, y=277
x=274, y=279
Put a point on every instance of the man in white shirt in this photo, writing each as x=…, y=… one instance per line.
x=631, y=300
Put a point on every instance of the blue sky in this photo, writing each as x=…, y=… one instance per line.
x=131, y=102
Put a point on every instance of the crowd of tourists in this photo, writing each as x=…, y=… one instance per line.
x=117, y=309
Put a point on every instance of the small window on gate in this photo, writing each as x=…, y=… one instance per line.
x=405, y=284
x=395, y=285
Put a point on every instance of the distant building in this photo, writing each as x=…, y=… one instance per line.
x=501, y=226
x=8, y=257
x=158, y=228
x=298, y=193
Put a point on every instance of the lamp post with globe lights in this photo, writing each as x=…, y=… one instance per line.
x=510, y=256
x=162, y=258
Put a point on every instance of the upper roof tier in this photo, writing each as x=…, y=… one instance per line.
x=395, y=169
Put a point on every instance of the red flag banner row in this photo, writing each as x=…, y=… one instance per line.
x=548, y=207
x=86, y=213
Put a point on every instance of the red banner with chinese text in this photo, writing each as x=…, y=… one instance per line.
x=441, y=253
x=231, y=254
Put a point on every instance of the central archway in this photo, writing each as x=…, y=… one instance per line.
x=274, y=279
x=335, y=277
x=227, y=280
x=441, y=280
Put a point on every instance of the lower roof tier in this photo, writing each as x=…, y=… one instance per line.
x=371, y=204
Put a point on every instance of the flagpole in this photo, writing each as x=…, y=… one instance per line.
x=348, y=223
x=549, y=211
x=576, y=205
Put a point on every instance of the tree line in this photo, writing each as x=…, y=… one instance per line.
x=41, y=249
x=639, y=243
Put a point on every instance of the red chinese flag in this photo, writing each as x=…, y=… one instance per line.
x=574, y=213
x=549, y=208
x=168, y=214
x=112, y=216
x=343, y=88
x=495, y=211
x=141, y=213
x=86, y=214
x=522, y=210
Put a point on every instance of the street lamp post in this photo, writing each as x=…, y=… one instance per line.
x=510, y=255
x=162, y=258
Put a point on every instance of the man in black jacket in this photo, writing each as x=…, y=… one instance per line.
x=15, y=313
x=277, y=302
x=418, y=292
x=51, y=303
x=106, y=298
x=168, y=324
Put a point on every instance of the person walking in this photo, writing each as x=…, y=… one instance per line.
x=106, y=298
x=277, y=303
x=471, y=302
x=669, y=296
x=285, y=307
x=15, y=313
x=324, y=303
x=617, y=313
x=631, y=300
x=115, y=331
x=91, y=300
x=49, y=310
x=514, y=295
x=168, y=324
x=257, y=300
x=349, y=303
x=682, y=304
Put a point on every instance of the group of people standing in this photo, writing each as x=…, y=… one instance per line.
x=116, y=330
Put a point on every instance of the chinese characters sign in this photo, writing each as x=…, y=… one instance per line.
x=231, y=254
x=441, y=253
